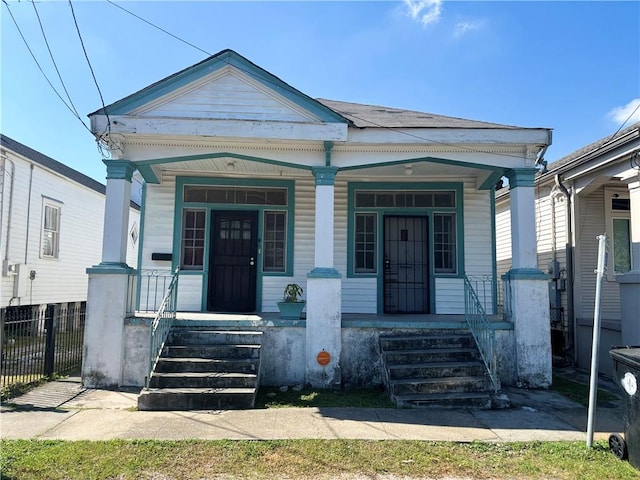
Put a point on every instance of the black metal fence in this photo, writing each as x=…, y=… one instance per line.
x=39, y=341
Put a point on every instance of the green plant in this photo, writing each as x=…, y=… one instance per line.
x=291, y=293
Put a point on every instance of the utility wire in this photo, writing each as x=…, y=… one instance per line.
x=40, y=68
x=625, y=122
x=159, y=28
x=75, y=21
x=44, y=36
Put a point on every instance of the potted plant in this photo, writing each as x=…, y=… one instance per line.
x=291, y=305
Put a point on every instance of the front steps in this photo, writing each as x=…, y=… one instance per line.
x=205, y=369
x=441, y=369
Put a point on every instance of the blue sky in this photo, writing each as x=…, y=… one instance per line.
x=571, y=66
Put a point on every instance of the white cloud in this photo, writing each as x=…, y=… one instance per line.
x=467, y=26
x=629, y=113
x=425, y=12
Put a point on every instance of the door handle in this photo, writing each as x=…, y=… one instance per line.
x=252, y=262
x=387, y=263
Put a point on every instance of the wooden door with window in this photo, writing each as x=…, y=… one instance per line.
x=233, y=261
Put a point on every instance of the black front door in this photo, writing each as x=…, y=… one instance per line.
x=233, y=262
x=406, y=268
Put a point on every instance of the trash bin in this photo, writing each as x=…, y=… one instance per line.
x=626, y=372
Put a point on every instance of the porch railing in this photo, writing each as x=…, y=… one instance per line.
x=162, y=324
x=483, y=334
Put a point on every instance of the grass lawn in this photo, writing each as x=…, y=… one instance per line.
x=304, y=459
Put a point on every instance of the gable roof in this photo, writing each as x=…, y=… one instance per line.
x=51, y=164
x=593, y=149
x=363, y=116
x=220, y=60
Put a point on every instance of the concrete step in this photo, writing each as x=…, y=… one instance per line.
x=215, y=351
x=426, y=355
x=409, y=386
x=196, y=399
x=431, y=341
x=202, y=380
x=204, y=336
x=196, y=364
x=481, y=400
x=436, y=370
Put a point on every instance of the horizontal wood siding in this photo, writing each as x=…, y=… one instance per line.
x=591, y=218
x=450, y=296
x=227, y=97
x=159, y=210
x=478, y=238
x=190, y=293
x=62, y=279
x=503, y=236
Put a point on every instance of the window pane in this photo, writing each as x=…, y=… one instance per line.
x=365, y=243
x=193, y=230
x=275, y=237
x=236, y=195
x=621, y=245
x=444, y=243
x=50, y=235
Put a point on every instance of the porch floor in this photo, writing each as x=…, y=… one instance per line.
x=349, y=320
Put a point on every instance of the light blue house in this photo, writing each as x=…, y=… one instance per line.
x=378, y=213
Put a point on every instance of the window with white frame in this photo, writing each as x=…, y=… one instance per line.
x=50, y=236
x=275, y=241
x=193, y=236
x=444, y=243
x=618, y=219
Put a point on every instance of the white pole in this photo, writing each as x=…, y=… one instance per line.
x=595, y=347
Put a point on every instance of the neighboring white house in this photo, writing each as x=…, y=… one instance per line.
x=591, y=192
x=377, y=212
x=51, y=219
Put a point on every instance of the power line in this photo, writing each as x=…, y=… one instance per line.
x=75, y=114
x=159, y=28
x=75, y=21
x=625, y=122
x=44, y=36
x=397, y=130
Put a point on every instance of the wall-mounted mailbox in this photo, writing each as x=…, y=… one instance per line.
x=165, y=257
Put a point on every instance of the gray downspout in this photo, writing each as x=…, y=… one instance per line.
x=5, y=263
x=26, y=247
x=571, y=334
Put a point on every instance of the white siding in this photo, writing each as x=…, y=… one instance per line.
x=478, y=239
x=503, y=236
x=227, y=97
x=61, y=279
x=450, y=296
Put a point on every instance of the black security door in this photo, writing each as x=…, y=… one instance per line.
x=406, y=269
x=232, y=262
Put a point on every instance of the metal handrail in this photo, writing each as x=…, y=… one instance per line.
x=162, y=324
x=483, y=334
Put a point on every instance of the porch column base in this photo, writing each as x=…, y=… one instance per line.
x=528, y=305
x=103, y=352
x=323, y=332
x=630, y=306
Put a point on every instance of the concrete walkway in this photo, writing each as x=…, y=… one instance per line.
x=64, y=410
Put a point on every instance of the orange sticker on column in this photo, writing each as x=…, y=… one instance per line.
x=323, y=358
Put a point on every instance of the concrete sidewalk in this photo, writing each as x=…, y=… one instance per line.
x=64, y=410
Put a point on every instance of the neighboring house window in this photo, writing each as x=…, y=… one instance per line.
x=50, y=240
x=618, y=216
x=275, y=241
x=444, y=242
x=365, y=244
x=193, y=234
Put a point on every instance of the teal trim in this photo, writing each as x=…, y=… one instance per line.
x=494, y=254
x=325, y=175
x=323, y=272
x=106, y=268
x=328, y=146
x=521, y=177
x=458, y=210
x=525, y=274
x=187, y=158
x=180, y=205
x=143, y=210
x=217, y=62
x=491, y=180
x=119, y=169
x=148, y=174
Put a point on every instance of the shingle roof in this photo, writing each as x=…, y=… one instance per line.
x=386, y=117
x=592, y=147
x=51, y=164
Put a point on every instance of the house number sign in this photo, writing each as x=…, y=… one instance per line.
x=629, y=383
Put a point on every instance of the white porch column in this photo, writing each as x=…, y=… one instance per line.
x=107, y=296
x=526, y=286
x=630, y=281
x=324, y=283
